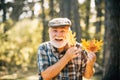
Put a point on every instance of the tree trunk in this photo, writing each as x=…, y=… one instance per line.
x=76, y=20
x=87, y=14
x=3, y=5
x=98, y=4
x=17, y=9
x=44, y=34
x=112, y=41
x=51, y=4
x=65, y=8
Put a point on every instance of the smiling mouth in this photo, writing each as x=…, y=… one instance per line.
x=59, y=39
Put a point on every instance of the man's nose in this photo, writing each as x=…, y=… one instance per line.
x=58, y=33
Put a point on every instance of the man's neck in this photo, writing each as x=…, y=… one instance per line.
x=63, y=48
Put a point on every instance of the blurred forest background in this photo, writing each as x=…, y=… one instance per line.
x=23, y=26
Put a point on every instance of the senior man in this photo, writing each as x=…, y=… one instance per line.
x=58, y=61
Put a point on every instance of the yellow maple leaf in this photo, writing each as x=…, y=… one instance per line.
x=92, y=45
x=71, y=38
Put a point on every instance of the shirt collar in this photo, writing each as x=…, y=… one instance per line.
x=55, y=50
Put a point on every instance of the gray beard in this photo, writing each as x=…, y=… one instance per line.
x=58, y=44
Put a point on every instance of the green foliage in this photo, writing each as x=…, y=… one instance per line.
x=19, y=47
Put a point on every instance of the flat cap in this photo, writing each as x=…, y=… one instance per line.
x=59, y=22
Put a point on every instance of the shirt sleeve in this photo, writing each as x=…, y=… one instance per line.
x=84, y=61
x=43, y=60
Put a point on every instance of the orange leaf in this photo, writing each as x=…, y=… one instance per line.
x=92, y=45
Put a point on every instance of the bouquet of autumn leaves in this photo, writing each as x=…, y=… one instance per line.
x=89, y=46
x=92, y=45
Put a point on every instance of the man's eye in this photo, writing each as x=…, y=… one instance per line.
x=55, y=30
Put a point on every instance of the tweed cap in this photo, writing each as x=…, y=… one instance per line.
x=56, y=22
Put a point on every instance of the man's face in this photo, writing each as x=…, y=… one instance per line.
x=58, y=36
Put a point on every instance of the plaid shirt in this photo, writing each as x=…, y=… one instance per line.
x=48, y=55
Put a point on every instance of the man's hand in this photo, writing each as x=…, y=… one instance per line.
x=72, y=52
x=90, y=65
x=91, y=59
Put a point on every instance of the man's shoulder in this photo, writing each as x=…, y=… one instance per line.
x=44, y=45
